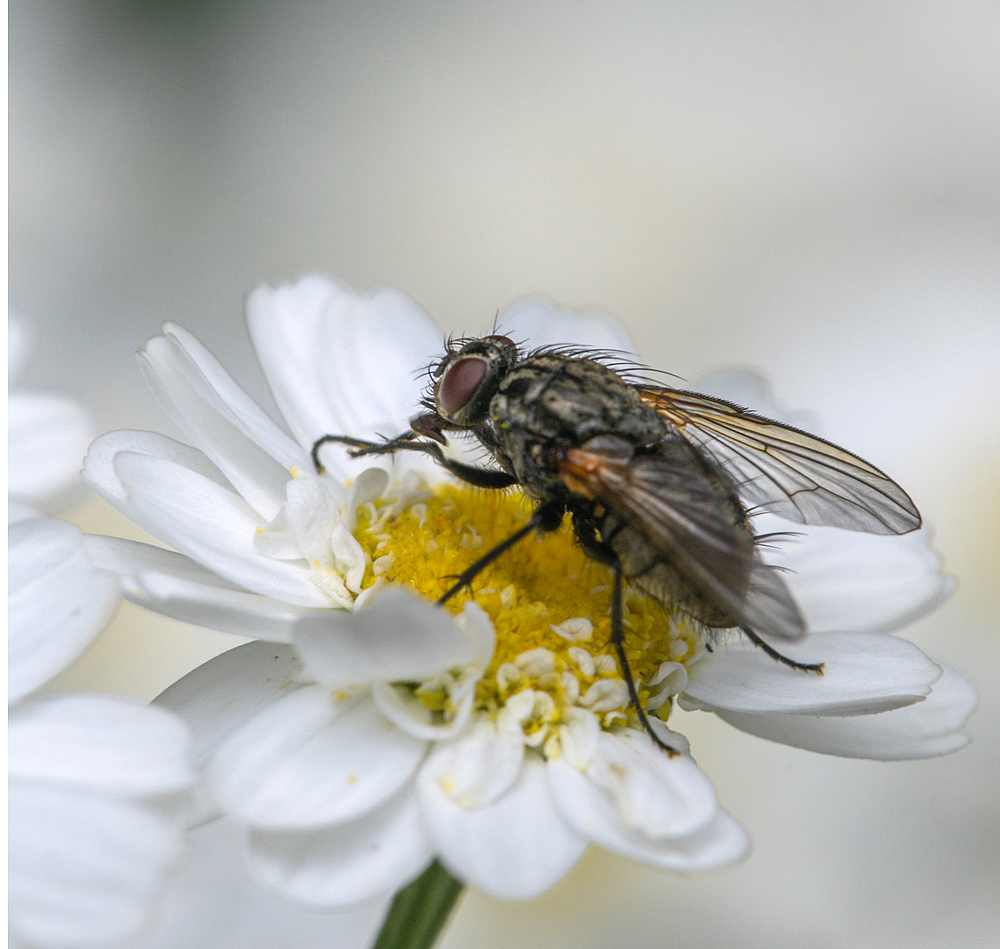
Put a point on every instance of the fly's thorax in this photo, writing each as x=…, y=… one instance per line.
x=548, y=400
x=554, y=396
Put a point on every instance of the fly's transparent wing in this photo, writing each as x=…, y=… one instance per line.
x=786, y=471
x=682, y=508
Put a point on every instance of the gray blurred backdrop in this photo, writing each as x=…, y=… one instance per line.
x=808, y=188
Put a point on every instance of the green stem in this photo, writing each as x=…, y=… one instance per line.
x=419, y=912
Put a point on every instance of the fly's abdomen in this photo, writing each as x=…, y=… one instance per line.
x=657, y=574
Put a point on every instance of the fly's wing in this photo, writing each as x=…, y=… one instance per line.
x=784, y=470
x=679, y=506
x=769, y=609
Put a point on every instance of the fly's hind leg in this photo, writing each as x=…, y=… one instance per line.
x=769, y=650
x=618, y=641
x=593, y=546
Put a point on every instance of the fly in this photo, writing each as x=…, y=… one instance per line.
x=659, y=483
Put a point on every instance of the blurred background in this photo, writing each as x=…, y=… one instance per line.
x=807, y=188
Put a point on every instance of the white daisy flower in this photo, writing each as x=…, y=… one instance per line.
x=369, y=732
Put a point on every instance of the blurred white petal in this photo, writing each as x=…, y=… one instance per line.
x=58, y=601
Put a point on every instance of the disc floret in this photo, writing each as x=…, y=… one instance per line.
x=548, y=601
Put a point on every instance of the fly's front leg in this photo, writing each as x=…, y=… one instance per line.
x=360, y=447
x=480, y=477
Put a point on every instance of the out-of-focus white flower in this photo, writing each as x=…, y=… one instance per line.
x=48, y=432
x=95, y=781
x=368, y=732
x=211, y=901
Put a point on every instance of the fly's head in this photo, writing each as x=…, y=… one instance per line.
x=467, y=377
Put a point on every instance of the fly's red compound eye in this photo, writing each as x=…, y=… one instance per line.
x=460, y=382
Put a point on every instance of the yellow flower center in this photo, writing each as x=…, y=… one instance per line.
x=549, y=602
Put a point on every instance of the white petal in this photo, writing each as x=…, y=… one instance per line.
x=312, y=759
x=20, y=341
x=475, y=622
x=539, y=322
x=174, y=585
x=402, y=708
x=197, y=408
x=851, y=581
x=864, y=673
x=84, y=870
x=478, y=768
x=18, y=511
x=346, y=865
x=58, y=601
x=242, y=410
x=514, y=848
x=400, y=637
x=210, y=524
x=339, y=362
x=47, y=437
x=211, y=903
x=719, y=843
x=751, y=390
x=99, y=465
x=312, y=516
x=928, y=728
x=103, y=742
x=222, y=694
x=632, y=790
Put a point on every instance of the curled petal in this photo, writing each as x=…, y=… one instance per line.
x=403, y=708
x=864, y=673
x=634, y=799
x=210, y=524
x=631, y=784
x=231, y=400
x=194, y=402
x=99, y=466
x=477, y=768
x=399, y=638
